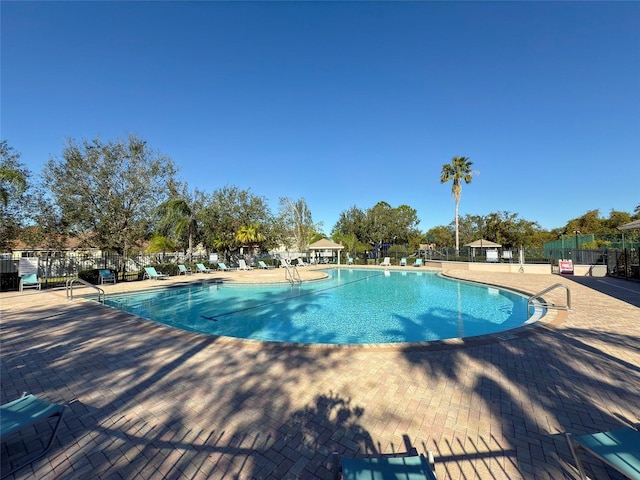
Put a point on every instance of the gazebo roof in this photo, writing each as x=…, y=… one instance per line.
x=635, y=225
x=482, y=243
x=325, y=244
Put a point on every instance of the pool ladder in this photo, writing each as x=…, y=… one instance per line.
x=545, y=304
x=70, y=283
x=292, y=274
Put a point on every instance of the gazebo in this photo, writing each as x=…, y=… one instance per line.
x=492, y=256
x=325, y=244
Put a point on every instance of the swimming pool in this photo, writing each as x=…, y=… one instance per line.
x=351, y=307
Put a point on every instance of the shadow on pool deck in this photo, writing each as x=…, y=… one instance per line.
x=153, y=402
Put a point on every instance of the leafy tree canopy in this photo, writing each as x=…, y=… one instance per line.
x=110, y=190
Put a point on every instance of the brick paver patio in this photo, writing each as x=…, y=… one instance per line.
x=151, y=402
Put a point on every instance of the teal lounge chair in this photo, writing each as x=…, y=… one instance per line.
x=619, y=449
x=263, y=265
x=150, y=272
x=106, y=276
x=385, y=467
x=202, y=268
x=403, y=262
x=418, y=262
x=30, y=280
x=182, y=270
x=223, y=266
x=24, y=412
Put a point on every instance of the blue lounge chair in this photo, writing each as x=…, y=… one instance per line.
x=30, y=280
x=418, y=262
x=106, y=276
x=202, y=268
x=403, y=262
x=24, y=412
x=619, y=449
x=385, y=467
x=182, y=270
x=150, y=272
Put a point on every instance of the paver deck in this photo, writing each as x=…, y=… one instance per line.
x=152, y=402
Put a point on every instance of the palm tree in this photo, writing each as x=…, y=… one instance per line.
x=458, y=170
x=181, y=215
x=249, y=235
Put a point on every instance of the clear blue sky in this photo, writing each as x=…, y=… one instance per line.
x=344, y=103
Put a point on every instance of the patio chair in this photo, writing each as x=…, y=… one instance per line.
x=243, y=265
x=386, y=262
x=418, y=262
x=403, y=262
x=182, y=270
x=411, y=466
x=150, y=272
x=349, y=260
x=301, y=263
x=223, y=266
x=263, y=265
x=30, y=280
x=620, y=449
x=106, y=276
x=201, y=268
x=24, y=412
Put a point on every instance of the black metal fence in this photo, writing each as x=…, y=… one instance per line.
x=55, y=268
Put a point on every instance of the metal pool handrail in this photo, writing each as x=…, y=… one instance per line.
x=548, y=289
x=70, y=283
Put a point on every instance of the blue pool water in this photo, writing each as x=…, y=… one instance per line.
x=351, y=307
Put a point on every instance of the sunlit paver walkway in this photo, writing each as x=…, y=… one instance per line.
x=150, y=402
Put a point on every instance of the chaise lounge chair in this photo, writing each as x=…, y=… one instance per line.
x=619, y=449
x=223, y=266
x=106, y=276
x=418, y=262
x=182, y=270
x=30, y=280
x=403, y=262
x=24, y=412
x=301, y=263
x=263, y=265
x=150, y=272
x=202, y=268
x=243, y=265
x=386, y=262
x=393, y=467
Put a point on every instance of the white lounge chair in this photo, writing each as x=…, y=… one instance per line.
x=301, y=263
x=386, y=262
x=243, y=265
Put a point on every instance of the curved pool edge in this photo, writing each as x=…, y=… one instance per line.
x=551, y=319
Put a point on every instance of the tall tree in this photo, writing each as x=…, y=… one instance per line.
x=297, y=221
x=110, y=190
x=458, y=170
